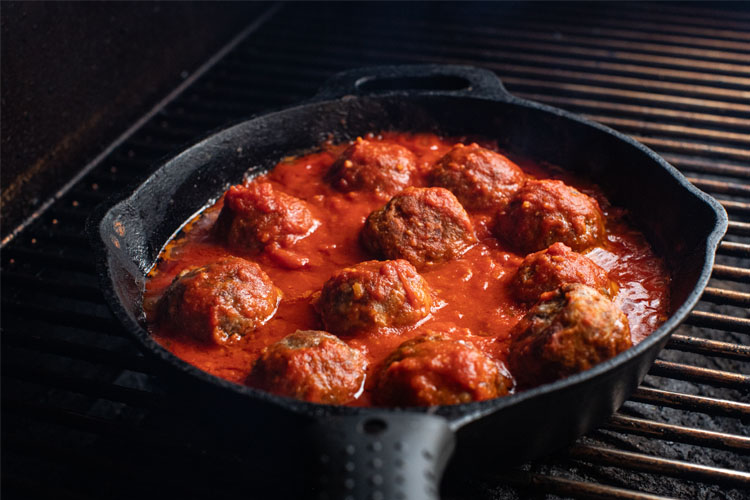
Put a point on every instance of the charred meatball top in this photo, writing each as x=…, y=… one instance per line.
x=372, y=166
x=549, y=269
x=568, y=331
x=422, y=225
x=373, y=295
x=220, y=302
x=480, y=178
x=257, y=215
x=310, y=365
x=433, y=369
x=547, y=211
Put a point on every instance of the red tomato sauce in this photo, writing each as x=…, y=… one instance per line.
x=474, y=300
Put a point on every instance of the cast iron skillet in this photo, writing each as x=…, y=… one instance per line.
x=389, y=453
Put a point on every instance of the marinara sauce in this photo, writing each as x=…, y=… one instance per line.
x=473, y=299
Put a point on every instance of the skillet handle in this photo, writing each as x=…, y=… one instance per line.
x=417, y=79
x=380, y=455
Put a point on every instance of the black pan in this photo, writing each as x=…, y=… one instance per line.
x=388, y=453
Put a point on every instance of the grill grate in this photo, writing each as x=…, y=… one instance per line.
x=83, y=414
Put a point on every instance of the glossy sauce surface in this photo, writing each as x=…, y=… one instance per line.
x=474, y=300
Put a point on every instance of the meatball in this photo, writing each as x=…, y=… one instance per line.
x=373, y=294
x=545, y=212
x=421, y=225
x=546, y=270
x=372, y=166
x=432, y=369
x=220, y=302
x=256, y=216
x=480, y=178
x=311, y=365
x=568, y=331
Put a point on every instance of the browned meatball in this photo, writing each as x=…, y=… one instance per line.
x=568, y=331
x=373, y=294
x=257, y=215
x=545, y=212
x=421, y=225
x=372, y=166
x=220, y=302
x=432, y=369
x=546, y=270
x=311, y=365
x=480, y=178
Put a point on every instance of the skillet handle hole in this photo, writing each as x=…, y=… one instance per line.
x=374, y=426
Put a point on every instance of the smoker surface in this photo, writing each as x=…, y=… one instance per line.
x=84, y=415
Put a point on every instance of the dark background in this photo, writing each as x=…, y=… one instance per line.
x=75, y=75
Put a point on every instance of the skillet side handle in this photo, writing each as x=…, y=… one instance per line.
x=380, y=455
x=416, y=79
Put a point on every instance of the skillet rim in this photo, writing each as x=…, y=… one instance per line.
x=457, y=415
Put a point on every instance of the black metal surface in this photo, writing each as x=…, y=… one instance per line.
x=75, y=75
x=84, y=417
x=129, y=232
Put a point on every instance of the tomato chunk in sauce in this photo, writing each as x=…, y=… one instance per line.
x=469, y=297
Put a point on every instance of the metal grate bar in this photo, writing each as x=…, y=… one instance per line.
x=709, y=347
x=588, y=90
x=546, y=60
x=65, y=317
x=650, y=47
x=627, y=34
x=736, y=206
x=680, y=46
x=694, y=148
x=83, y=422
x=713, y=186
x=732, y=273
x=739, y=228
x=680, y=130
x=622, y=68
x=570, y=487
x=678, y=433
x=77, y=351
x=624, y=81
x=672, y=26
x=709, y=166
x=86, y=386
x=697, y=15
x=725, y=122
x=697, y=374
x=496, y=42
x=488, y=58
x=719, y=321
x=734, y=249
x=700, y=13
x=658, y=12
x=690, y=402
x=658, y=465
x=729, y=297
x=401, y=53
